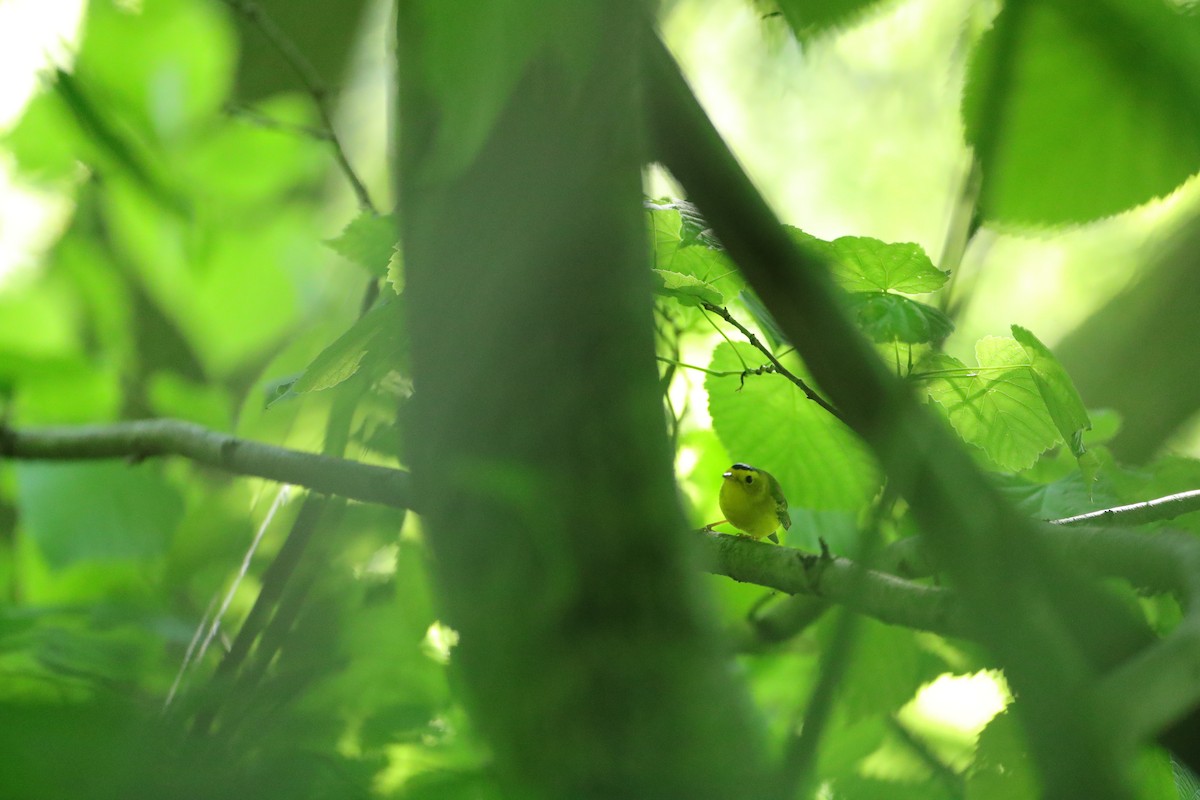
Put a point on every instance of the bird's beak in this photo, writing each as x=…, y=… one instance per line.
x=727, y=475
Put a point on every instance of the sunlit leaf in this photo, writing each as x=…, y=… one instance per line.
x=1092, y=111
x=395, y=270
x=165, y=67
x=255, y=157
x=769, y=423
x=705, y=263
x=809, y=18
x=369, y=241
x=995, y=406
x=888, y=317
x=863, y=264
x=1058, y=391
x=687, y=290
x=344, y=355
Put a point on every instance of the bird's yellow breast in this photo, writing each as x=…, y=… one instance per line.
x=748, y=506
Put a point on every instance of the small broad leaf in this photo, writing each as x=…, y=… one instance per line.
x=395, y=270
x=97, y=511
x=1058, y=391
x=342, y=358
x=863, y=264
x=687, y=290
x=369, y=241
x=766, y=422
x=706, y=263
x=694, y=229
x=893, y=318
x=996, y=406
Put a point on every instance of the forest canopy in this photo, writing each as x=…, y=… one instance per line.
x=704, y=398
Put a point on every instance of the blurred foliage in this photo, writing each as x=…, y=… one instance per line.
x=201, y=277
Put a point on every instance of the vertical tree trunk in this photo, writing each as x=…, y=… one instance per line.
x=537, y=439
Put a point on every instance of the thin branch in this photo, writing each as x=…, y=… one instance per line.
x=765, y=369
x=809, y=392
x=256, y=117
x=1158, y=509
x=166, y=437
x=953, y=781
x=1156, y=688
x=313, y=84
x=800, y=753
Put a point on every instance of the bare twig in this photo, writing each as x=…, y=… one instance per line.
x=166, y=437
x=312, y=83
x=1160, y=508
x=809, y=392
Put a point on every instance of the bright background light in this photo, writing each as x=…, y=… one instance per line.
x=34, y=34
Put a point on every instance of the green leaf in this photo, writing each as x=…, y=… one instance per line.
x=809, y=18
x=1003, y=768
x=769, y=423
x=694, y=229
x=885, y=670
x=893, y=318
x=342, y=358
x=1065, y=497
x=369, y=241
x=766, y=323
x=97, y=511
x=113, y=144
x=1153, y=775
x=863, y=264
x=996, y=406
x=256, y=157
x=395, y=270
x=686, y=289
x=669, y=252
x=1100, y=106
x=45, y=143
x=166, y=65
x=1058, y=391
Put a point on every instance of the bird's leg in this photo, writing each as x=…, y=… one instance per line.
x=709, y=527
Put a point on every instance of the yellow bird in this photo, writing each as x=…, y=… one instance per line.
x=753, y=502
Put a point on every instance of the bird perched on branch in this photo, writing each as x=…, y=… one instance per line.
x=753, y=502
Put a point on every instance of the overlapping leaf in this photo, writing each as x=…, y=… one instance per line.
x=997, y=405
x=769, y=423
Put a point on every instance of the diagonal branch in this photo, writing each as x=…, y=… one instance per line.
x=312, y=83
x=168, y=437
x=809, y=392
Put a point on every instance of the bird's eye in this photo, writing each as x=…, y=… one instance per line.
x=749, y=479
